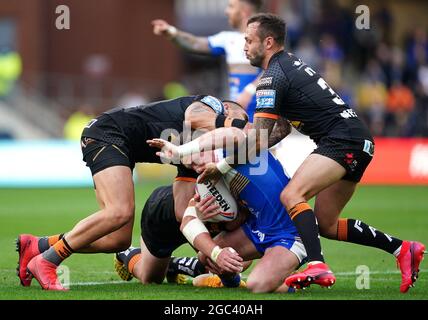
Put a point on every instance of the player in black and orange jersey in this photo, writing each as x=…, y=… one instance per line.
x=111, y=145
x=291, y=90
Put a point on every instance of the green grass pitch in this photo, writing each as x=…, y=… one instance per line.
x=399, y=211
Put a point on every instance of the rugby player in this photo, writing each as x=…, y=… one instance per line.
x=242, y=76
x=111, y=145
x=267, y=233
x=160, y=236
x=289, y=89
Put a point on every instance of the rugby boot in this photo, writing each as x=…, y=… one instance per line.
x=409, y=259
x=45, y=273
x=318, y=273
x=121, y=269
x=27, y=246
x=212, y=281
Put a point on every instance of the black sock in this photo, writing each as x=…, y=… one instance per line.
x=126, y=256
x=358, y=232
x=306, y=224
x=190, y=266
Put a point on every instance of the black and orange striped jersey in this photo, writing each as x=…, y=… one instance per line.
x=291, y=89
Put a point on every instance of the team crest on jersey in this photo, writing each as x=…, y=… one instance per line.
x=214, y=103
x=265, y=81
x=265, y=99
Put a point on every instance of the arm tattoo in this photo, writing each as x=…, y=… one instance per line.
x=260, y=140
x=189, y=42
x=281, y=129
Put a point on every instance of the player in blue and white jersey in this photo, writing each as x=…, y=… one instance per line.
x=268, y=233
x=242, y=76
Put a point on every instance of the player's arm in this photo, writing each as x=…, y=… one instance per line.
x=270, y=98
x=198, y=236
x=281, y=129
x=183, y=190
x=228, y=138
x=184, y=40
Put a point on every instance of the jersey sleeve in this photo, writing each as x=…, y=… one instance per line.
x=270, y=95
x=217, y=44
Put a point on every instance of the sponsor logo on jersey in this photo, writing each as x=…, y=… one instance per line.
x=368, y=147
x=265, y=99
x=265, y=81
x=348, y=113
x=214, y=103
x=259, y=234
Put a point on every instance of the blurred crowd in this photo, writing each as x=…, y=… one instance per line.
x=386, y=83
x=384, y=80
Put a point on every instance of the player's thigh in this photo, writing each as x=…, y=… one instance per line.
x=153, y=269
x=239, y=241
x=115, y=187
x=270, y=272
x=329, y=204
x=316, y=173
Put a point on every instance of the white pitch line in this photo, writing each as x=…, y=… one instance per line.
x=97, y=283
x=346, y=274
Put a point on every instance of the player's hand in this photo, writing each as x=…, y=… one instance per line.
x=212, y=267
x=206, y=208
x=210, y=172
x=229, y=260
x=161, y=28
x=168, y=151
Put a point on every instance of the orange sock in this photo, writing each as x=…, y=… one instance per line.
x=133, y=262
x=62, y=249
x=342, y=230
x=54, y=239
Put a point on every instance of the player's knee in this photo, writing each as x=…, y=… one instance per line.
x=287, y=198
x=121, y=214
x=291, y=196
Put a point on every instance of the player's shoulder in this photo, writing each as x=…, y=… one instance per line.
x=286, y=60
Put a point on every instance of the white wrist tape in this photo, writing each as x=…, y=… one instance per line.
x=223, y=166
x=251, y=88
x=215, y=253
x=172, y=31
x=193, y=229
x=188, y=148
x=190, y=212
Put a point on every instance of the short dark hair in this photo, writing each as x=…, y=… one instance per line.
x=270, y=25
x=257, y=4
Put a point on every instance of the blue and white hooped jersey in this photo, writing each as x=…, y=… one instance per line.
x=269, y=223
x=231, y=44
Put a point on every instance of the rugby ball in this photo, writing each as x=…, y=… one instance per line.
x=223, y=198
